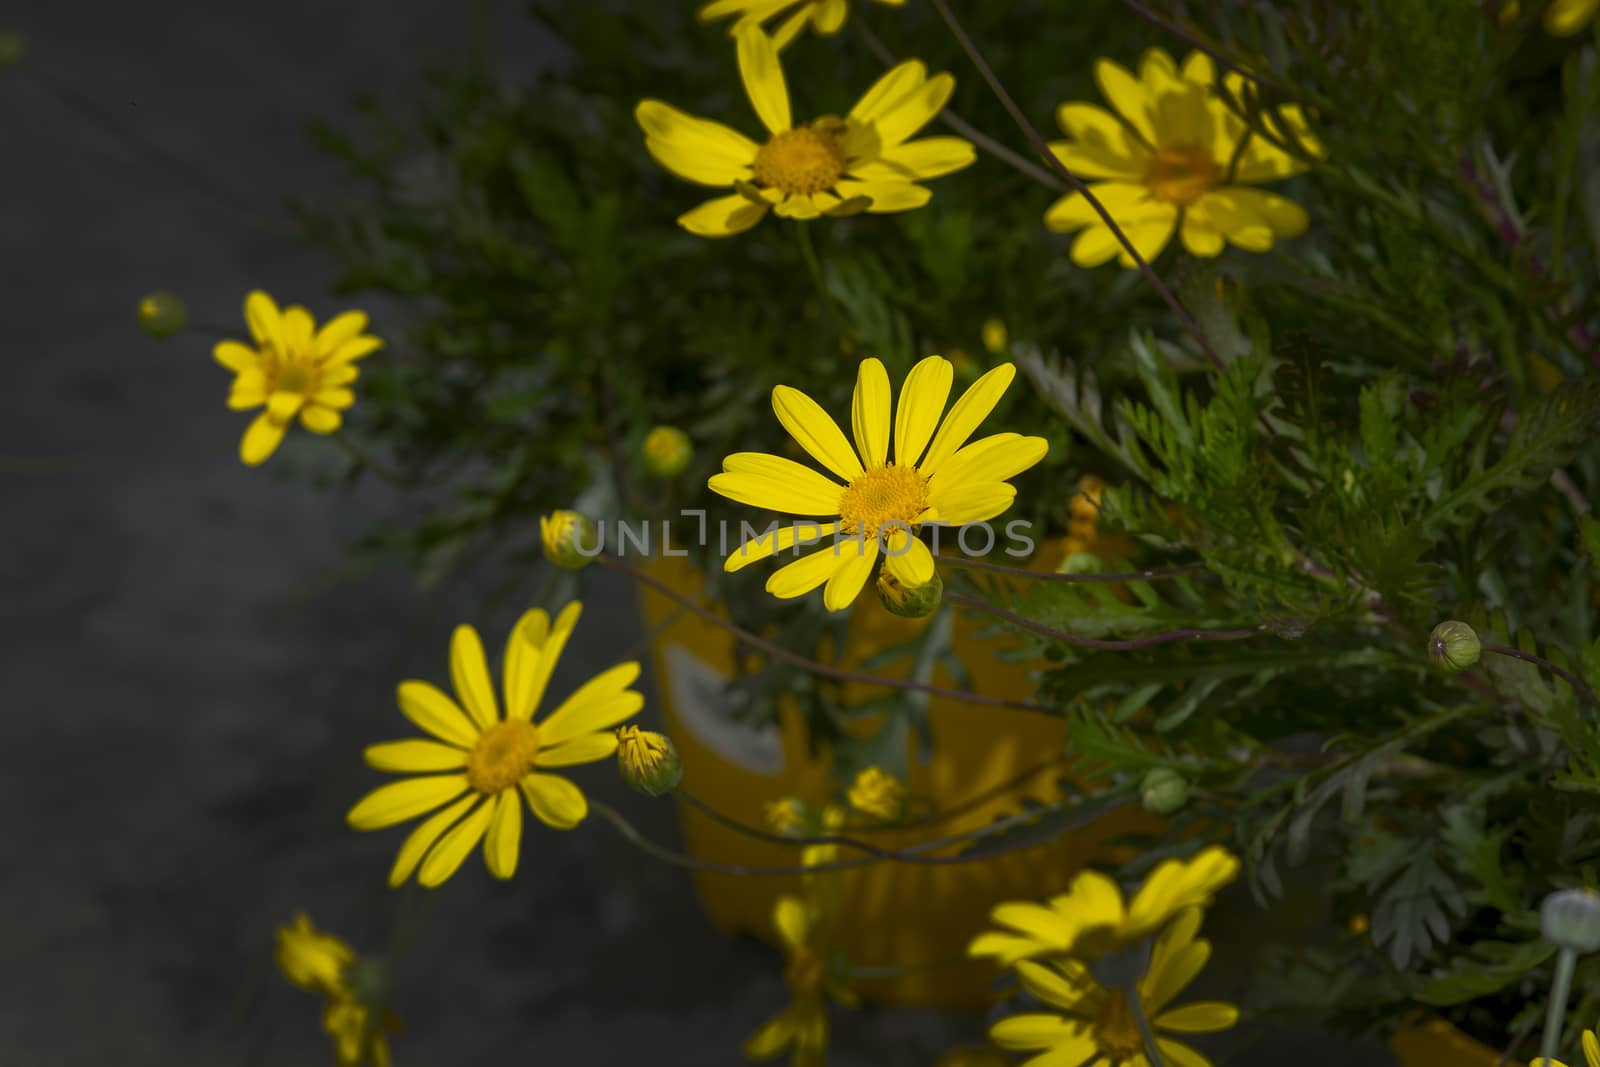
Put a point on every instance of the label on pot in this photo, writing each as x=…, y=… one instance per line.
x=710, y=712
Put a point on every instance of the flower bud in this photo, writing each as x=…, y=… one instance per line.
x=161, y=314
x=570, y=539
x=667, y=451
x=1454, y=646
x=12, y=49
x=790, y=815
x=995, y=337
x=1570, y=919
x=648, y=761
x=1081, y=563
x=910, y=603
x=879, y=794
x=1163, y=791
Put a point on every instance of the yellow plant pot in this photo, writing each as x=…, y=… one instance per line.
x=892, y=914
x=1438, y=1044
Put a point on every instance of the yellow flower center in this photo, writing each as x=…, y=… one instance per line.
x=1116, y=1031
x=800, y=161
x=504, y=754
x=804, y=974
x=290, y=375
x=880, y=496
x=1182, y=174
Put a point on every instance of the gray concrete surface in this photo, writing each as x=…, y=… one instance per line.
x=187, y=691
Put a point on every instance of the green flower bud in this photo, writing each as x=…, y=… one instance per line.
x=995, y=336
x=1163, y=791
x=667, y=451
x=160, y=314
x=1570, y=919
x=907, y=603
x=648, y=761
x=12, y=49
x=1454, y=646
x=563, y=533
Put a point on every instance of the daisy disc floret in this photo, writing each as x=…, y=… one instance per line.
x=1173, y=157
x=825, y=17
x=1096, y=1026
x=294, y=370
x=882, y=496
x=479, y=767
x=832, y=166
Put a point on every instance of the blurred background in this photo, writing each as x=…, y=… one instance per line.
x=193, y=669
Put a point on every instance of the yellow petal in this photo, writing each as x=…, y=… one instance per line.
x=469, y=672
x=336, y=399
x=722, y=217
x=1097, y=244
x=557, y=802
x=445, y=858
x=353, y=349
x=261, y=439
x=264, y=319
x=1251, y=218
x=422, y=838
x=828, y=15
x=783, y=538
x=904, y=116
x=283, y=406
x=249, y=390
x=1050, y=985
x=299, y=331
x=1125, y=93
x=763, y=78
x=798, y=207
x=319, y=419
x=922, y=400
x=602, y=702
x=1128, y=203
x=792, y=920
x=585, y=748
x=1024, y=1033
x=429, y=708
x=1094, y=900
x=695, y=148
x=908, y=559
x=967, y=413
x=414, y=756
x=930, y=157
x=776, y=483
x=886, y=196
x=399, y=801
x=869, y=413
x=1180, y=1055
x=888, y=90
x=815, y=431
x=845, y=583
x=1005, y=948
x=339, y=329
x=236, y=357
x=1197, y=67
x=1202, y=1017
x=806, y=573
x=504, y=838
x=1100, y=146
x=775, y=1035
x=538, y=679
x=971, y=502
x=996, y=458
x=521, y=658
x=1200, y=238
x=1178, y=884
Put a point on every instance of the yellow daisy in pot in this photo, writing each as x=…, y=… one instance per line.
x=1097, y=1027
x=832, y=166
x=825, y=16
x=878, y=503
x=803, y=1025
x=482, y=765
x=1173, y=158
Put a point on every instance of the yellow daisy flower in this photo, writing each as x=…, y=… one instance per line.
x=1090, y=919
x=826, y=16
x=803, y=1025
x=480, y=761
x=293, y=369
x=881, y=501
x=358, y=1032
x=312, y=959
x=1171, y=159
x=1097, y=1027
x=878, y=794
x=833, y=166
x=1591, y=1053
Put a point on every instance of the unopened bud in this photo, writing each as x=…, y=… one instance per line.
x=648, y=761
x=1570, y=919
x=790, y=815
x=160, y=314
x=1163, y=791
x=667, y=451
x=879, y=794
x=1454, y=645
x=910, y=603
x=995, y=337
x=570, y=539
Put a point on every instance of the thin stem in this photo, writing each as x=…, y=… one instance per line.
x=962, y=126
x=1151, y=1050
x=1539, y=661
x=1198, y=44
x=1052, y=576
x=916, y=854
x=808, y=252
x=1129, y=645
x=838, y=674
x=1560, y=988
x=1076, y=183
x=365, y=459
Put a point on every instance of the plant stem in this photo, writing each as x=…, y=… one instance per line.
x=1151, y=1050
x=838, y=674
x=1560, y=987
x=808, y=252
x=1076, y=183
x=1129, y=645
x=365, y=459
x=1539, y=661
